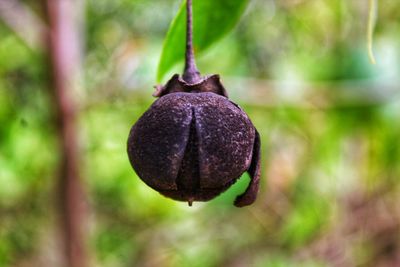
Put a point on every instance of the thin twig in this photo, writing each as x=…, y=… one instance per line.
x=370, y=30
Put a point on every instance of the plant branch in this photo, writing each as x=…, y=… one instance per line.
x=63, y=44
x=26, y=25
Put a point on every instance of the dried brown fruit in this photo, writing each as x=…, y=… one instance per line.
x=194, y=143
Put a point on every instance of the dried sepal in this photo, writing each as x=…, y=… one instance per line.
x=176, y=84
x=250, y=195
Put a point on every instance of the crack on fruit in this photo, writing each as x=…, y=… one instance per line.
x=188, y=178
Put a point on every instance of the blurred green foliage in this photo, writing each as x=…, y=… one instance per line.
x=329, y=121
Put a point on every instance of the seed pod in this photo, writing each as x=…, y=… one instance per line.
x=193, y=143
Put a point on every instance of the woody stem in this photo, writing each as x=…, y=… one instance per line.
x=191, y=74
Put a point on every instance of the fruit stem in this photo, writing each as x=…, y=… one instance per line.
x=191, y=74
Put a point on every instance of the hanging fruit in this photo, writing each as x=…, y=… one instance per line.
x=193, y=143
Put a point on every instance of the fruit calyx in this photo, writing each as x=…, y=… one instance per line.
x=211, y=83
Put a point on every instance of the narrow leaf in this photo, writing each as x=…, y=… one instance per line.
x=211, y=21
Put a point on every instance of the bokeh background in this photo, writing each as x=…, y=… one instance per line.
x=329, y=122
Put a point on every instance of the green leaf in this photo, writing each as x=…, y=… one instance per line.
x=211, y=21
